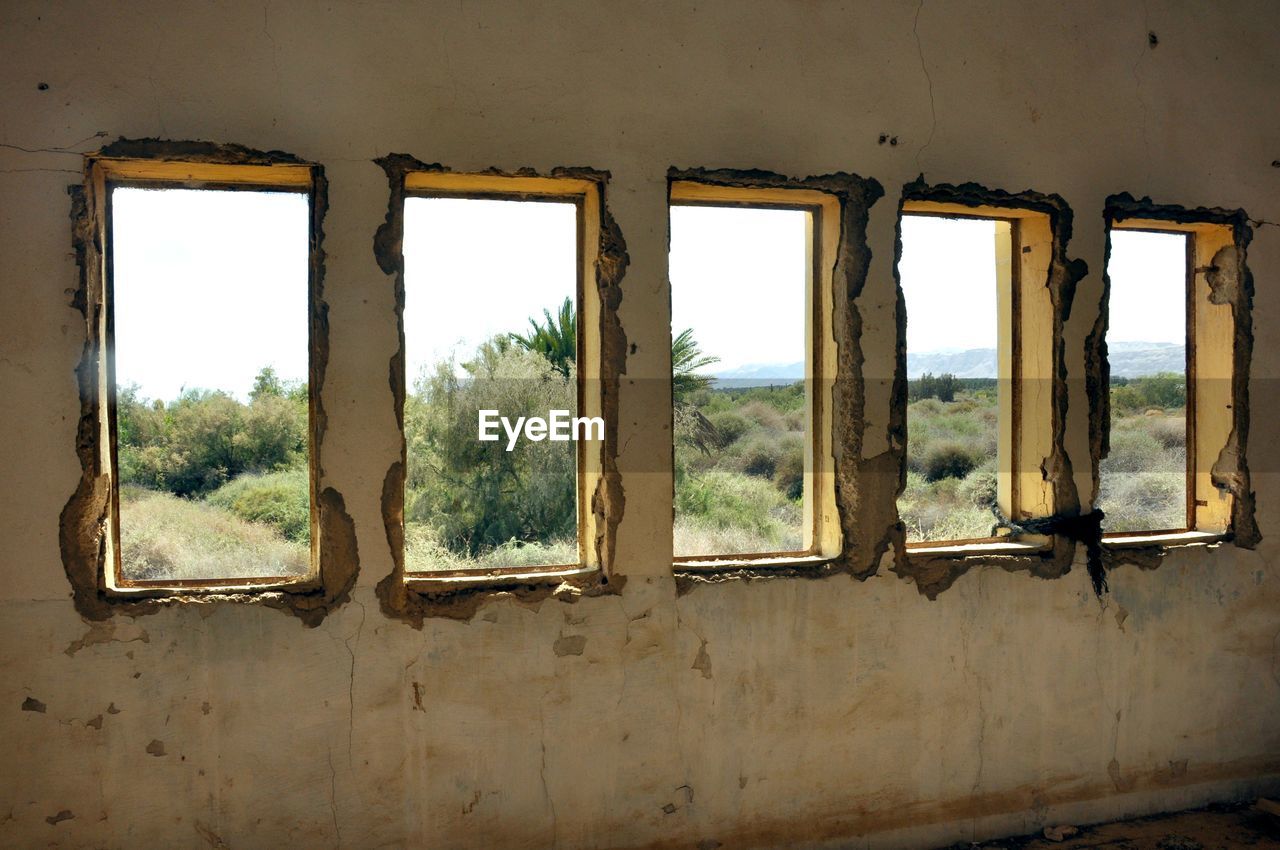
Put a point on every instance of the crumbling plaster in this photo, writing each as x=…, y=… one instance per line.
x=817, y=713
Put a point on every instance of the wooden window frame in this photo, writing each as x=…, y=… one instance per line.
x=1209, y=418
x=823, y=536
x=106, y=174
x=586, y=196
x=1025, y=359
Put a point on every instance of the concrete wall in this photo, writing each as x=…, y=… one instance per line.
x=822, y=713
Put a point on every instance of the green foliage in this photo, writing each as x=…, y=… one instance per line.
x=949, y=460
x=556, y=338
x=942, y=387
x=279, y=499
x=686, y=359
x=475, y=496
x=203, y=439
x=725, y=500
x=1167, y=390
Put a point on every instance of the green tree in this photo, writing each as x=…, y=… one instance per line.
x=555, y=339
x=686, y=359
x=477, y=495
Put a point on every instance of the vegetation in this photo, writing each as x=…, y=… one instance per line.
x=1143, y=479
x=951, y=457
x=212, y=487
x=739, y=469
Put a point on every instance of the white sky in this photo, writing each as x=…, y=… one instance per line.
x=738, y=279
x=209, y=287
x=475, y=268
x=1148, y=287
x=948, y=276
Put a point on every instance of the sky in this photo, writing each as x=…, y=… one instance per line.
x=187, y=262
x=477, y=268
x=209, y=287
x=1148, y=287
x=738, y=279
x=948, y=277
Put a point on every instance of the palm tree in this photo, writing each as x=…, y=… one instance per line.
x=686, y=359
x=556, y=340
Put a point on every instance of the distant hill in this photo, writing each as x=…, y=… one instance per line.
x=1128, y=360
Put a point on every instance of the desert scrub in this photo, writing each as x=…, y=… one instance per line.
x=730, y=500
x=279, y=499
x=949, y=460
x=167, y=537
x=424, y=553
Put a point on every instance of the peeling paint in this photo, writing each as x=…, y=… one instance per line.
x=934, y=572
x=413, y=604
x=84, y=519
x=569, y=645
x=867, y=525
x=1230, y=283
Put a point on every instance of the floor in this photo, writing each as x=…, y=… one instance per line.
x=1214, y=828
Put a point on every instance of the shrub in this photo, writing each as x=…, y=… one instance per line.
x=764, y=414
x=476, y=495
x=948, y=460
x=166, y=537
x=732, y=500
x=1169, y=431
x=759, y=456
x=279, y=499
x=788, y=474
x=979, y=488
x=729, y=426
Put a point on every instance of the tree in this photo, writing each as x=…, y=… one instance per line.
x=686, y=359
x=477, y=495
x=267, y=383
x=556, y=339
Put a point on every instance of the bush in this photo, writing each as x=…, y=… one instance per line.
x=475, y=496
x=979, y=488
x=948, y=460
x=729, y=426
x=788, y=475
x=732, y=500
x=1169, y=431
x=279, y=499
x=764, y=414
x=165, y=537
x=759, y=456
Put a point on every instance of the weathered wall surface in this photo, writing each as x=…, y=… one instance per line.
x=803, y=713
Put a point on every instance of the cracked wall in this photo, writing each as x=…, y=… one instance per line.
x=847, y=709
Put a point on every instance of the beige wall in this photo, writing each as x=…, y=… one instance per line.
x=832, y=712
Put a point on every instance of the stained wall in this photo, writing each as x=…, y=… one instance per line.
x=807, y=713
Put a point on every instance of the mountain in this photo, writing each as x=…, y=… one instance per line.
x=1134, y=359
x=1128, y=360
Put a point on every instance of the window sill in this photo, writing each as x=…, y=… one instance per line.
x=212, y=587
x=769, y=562
x=1166, y=540
x=1029, y=545
x=553, y=575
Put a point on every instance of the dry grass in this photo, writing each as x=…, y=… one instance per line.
x=164, y=537
x=423, y=553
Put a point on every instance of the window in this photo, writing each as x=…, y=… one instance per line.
x=206, y=336
x=752, y=364
x=979, y=366
x=502, y=423
x=1170, y=355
